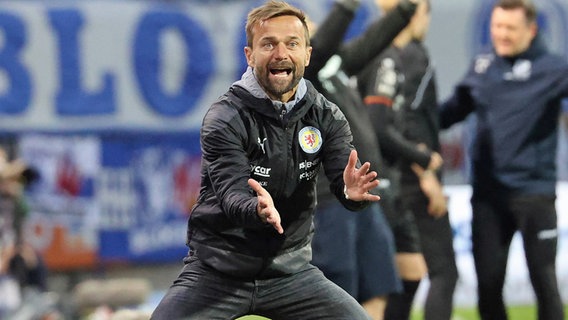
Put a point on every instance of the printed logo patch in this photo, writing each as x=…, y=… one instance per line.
x=521, y=71
x=310, y=139
x=482, y=62
x=261, y=171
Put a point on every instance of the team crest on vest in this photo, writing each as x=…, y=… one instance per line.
x=310, y=139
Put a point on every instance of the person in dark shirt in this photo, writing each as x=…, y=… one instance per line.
x=515, y=89
x=18, y=258
x=400, y=92
x=356, y=251
x=264, y=142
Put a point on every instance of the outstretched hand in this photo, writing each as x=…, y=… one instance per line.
x=265, y=208
x=358, y=182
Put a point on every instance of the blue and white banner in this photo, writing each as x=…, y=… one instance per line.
x=113, y=64
x=146, y=189
x=64, y=210
x=99, y=65
x=102, y=198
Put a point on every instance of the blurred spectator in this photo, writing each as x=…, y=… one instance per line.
x=366, y=270
x=403, y=104
x=12, y=205
x=515, y=88
x=18, y=260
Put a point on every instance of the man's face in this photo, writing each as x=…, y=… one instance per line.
x=279, y=55
x=511, y=34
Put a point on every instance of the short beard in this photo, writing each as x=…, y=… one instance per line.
x=277, y=91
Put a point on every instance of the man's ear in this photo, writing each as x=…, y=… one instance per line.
x=534, y=29
x=248, y=55
x=308, y=55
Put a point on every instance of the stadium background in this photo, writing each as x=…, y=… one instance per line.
x=105, y=98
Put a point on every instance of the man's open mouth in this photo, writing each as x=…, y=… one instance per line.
x=281, y=72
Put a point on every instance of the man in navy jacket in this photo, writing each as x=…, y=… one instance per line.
x=515, y=90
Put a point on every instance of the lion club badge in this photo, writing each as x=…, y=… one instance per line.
x=310, y=139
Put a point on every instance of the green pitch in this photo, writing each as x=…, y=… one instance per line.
x=515, y=312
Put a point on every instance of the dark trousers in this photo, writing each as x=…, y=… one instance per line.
x=201, y=292
x=436, y=240
x=365, y=267
x=496, y=218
